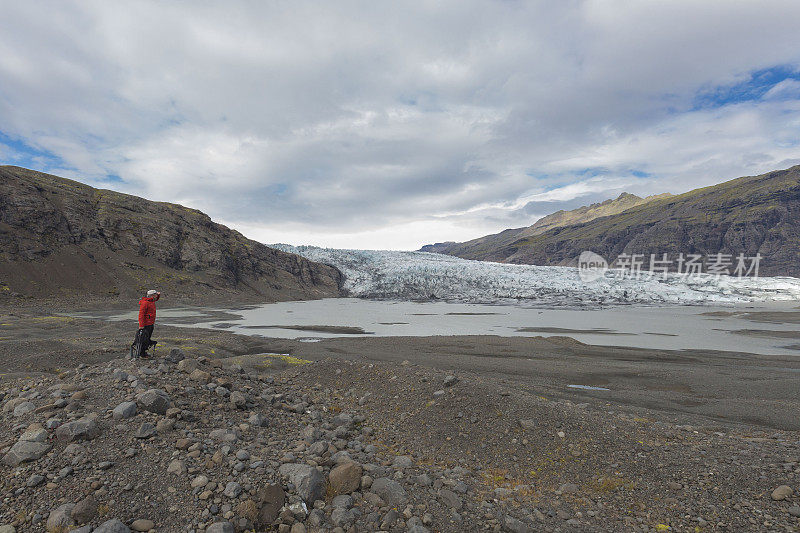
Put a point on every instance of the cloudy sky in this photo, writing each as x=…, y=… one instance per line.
x=394, y=124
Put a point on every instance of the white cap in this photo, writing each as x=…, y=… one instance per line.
x=151, y=293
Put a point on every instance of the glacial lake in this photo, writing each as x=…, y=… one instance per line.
x=763, y=328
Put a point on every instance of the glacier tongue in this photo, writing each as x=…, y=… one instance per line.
x=424, y=276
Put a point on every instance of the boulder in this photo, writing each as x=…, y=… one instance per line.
x=308, y=482
x=177, y=467
x=34, y=434
x=59, y=519
x=145, y=431
x=224, y=435
x=782, y=493
x=345, y=478
x=188, y=365
x=257, y=420
x=12, y=404
x=24, y=408
x=81, y=429
x=390, y=491
x=221, y=527
x=142, y=524
x=238, y=400
x=272, y=498
x=155, y=401
x=112, y=526
x=176, y=355
x=232, y=489
x=25, y=451
x=200, y=375
x=124, y=410
x=450, y=499
x=85, y=510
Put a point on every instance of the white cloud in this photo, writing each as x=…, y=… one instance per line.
x=396, y=124
x=786, y=89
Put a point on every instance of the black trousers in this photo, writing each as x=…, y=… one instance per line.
x=142, y=342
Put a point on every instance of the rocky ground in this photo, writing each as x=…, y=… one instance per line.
x=189, y=442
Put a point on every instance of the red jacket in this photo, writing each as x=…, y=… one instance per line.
x=147, y=311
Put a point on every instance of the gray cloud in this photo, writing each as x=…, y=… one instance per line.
x=393, y=124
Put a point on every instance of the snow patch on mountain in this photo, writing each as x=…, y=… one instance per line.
x=426, y=276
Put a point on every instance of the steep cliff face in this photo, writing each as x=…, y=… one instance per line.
x=495, y=247
x=59, y=238
x=749, y=215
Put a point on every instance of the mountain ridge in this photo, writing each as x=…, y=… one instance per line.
x=61, y=238
x=748, y=215
x=485, y=248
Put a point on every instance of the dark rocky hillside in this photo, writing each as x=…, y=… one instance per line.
x=493, y=247
x=749, y=215
x=60, y=238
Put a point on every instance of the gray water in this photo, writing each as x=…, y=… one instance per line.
x=668, y=327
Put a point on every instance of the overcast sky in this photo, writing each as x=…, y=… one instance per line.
x=394, y=124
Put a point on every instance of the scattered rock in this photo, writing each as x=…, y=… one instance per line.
x=112, y=526
x=272, y=498
x=225, y=435
x=450, y=499
x=238, y=400
x=199, y=481
x=124, y=410
x=59, y=519
x=85, y=510
x=232, y=489
x=345, y=478
x=35, y=434
x=177, y=467
x=155, y=401
x=145, y=431
x=390, y=491
x=188, y=365
x=82, y=429
x=24, y=408
x=308, y=482
x=781, y=493
x=450, y=380
x=221, y=527
x=512, y=525
x=200, y=375
x=176, y=355
x=35, y=480
x=25, y=451
x=142, y=525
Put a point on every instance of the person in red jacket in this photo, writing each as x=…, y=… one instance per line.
x=147, y=319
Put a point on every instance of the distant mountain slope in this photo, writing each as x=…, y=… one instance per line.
x=61, y=238
x=494, y=247
x=752, y=214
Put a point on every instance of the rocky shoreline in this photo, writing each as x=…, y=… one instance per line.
x=221, y=445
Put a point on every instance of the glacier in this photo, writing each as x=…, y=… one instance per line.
x=401, y=275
